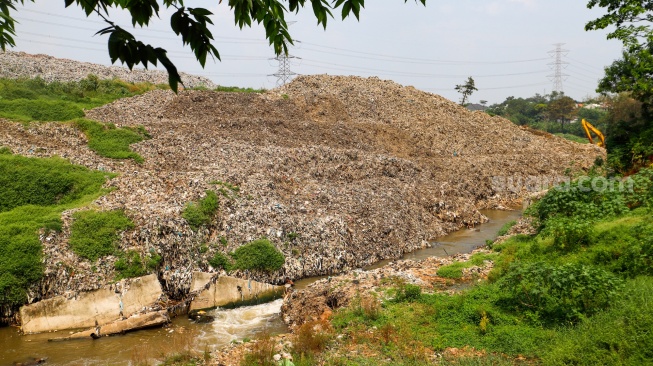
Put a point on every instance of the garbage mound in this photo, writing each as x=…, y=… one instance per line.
x=17, y=65
x=338, y=172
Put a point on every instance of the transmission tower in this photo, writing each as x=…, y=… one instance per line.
x=284, y=74
x=558, y=65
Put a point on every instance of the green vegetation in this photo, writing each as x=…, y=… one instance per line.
x=200, y=213
x=111, y=142
x=506, y=227
x=408, y=293
x=582, y=300
x=29, y=100
x=455, y=270
x=574, y=138
x=43, y=182
x=131, y=265
x=226, y=189
x=33, y=194
x=221, y=261
x=258, y=255
x=237, y=89
x=94, y=234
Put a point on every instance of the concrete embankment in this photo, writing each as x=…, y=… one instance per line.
x=87, y=309
x=226, y=292
x=137, y=303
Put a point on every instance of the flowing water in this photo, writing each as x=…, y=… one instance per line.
x=138, y=347
x=229, y=325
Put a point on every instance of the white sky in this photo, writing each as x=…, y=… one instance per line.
x=502, y=44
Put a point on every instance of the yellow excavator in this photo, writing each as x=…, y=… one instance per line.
x=588, y=127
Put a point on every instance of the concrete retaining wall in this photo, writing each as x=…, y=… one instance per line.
x=230, y=292
x=87, y=309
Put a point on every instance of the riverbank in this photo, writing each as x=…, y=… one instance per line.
x=572, y=289
x=310, y=311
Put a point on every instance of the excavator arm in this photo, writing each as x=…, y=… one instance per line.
x=588, y=131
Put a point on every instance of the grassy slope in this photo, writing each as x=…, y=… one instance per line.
x=38, y=191
x=34, y=192
x=32, y=100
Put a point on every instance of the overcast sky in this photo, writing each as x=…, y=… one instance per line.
x=503, y=44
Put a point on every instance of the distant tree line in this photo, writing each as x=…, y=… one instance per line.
x=554, y=113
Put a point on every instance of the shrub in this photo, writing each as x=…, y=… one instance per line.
x=261, y=353
x=28, y=207
x=312, y=338
x=366, y=306
x=221, y=261
x=559, y=293
x=642, y=192
x=130, y=265
x=94, y=233
x=452, y=271
x=200, y=213
x=408, y=293
x=637, y=258
x=568, y=234
x=259, y=255
x=577, y=200
x=619, y=336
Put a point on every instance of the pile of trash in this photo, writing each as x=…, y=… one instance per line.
x=338, y=172
x=18, y=65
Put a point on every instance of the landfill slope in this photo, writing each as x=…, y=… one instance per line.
x=338, y=172
x=21, y=65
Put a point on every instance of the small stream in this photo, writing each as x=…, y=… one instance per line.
x=229, y=325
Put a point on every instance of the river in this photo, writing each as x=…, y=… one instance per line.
x=229, y=325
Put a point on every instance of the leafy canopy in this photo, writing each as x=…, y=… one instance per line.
x=191, y=24
x=632, y=21
x=466, y=90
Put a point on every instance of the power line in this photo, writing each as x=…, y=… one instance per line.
x=558, y=65
x=168, y=38
x=284, y=74
x=424, y=60
x=583, y=63
x=340, y=67
x=223, y=57
x=496, y=88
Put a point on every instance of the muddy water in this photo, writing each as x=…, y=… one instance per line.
x=236, y=324
x=139, y=347
x=461, y=241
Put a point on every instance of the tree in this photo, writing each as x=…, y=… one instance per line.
x=629, y=140
x=632, y=21
x=466, y=90
x=562, y=109
x=191, y=24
